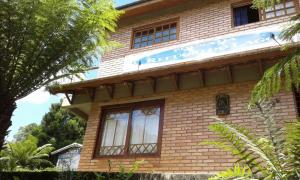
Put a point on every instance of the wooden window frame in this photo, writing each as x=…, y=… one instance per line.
x=297, y=7
x=248, y=2
x=296, y=95
x=154, y=26
x=130, y=107
x=240, y=4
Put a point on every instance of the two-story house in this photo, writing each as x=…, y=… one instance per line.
x=182, y=61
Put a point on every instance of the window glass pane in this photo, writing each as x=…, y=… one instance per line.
x=245, y=15
x=114, y=133
x=150, y=37
x=289, y=4
x=166, y=30
x=269, y=9
x=270, y=15
x=158, y=32
x=165, y=38
x=279, y=6
x=145, y=127
x=173, y=37
x=173, y=28
x=144, y=44
x=137, y=40
x=158, y=40
x=138, y=34
x=109, y=131
x=152, y=125
x=281, y=9
x=280, y=13
x=290, y=10
x=137, y=45
x=144, y=36
x=155, y=35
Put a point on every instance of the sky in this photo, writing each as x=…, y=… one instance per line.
x=33, y=107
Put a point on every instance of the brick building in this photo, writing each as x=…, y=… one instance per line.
x=182, y=61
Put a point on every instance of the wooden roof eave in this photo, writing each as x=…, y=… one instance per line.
x=146, y=6
x=209, y=63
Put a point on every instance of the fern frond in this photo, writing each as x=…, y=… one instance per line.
x=253, y=147
x=237, y=172
x=293, y=149
x=231, y=142
x=287, y=68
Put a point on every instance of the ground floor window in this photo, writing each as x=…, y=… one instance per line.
x=131, y=129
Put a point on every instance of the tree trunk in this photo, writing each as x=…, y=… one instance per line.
x=7, y=107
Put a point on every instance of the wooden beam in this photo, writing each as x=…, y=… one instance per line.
x=130, y=87
x=175, y=78
x=229, y=72
x=260, y=68
x=202, y=77
x=70, y=99
x=153, y=82
x=79, y=113
x=91, y=93
x=109, y=90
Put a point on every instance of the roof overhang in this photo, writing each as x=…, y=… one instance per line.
x=146, y=6
x=209, y=63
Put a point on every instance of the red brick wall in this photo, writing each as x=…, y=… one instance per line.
x=210, y=19
x=186, y=119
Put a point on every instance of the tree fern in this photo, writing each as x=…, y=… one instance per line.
x=25, y=154
x=273, y=156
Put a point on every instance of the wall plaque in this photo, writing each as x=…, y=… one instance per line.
x=222, y=104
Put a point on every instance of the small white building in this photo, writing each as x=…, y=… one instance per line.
x=68, y=157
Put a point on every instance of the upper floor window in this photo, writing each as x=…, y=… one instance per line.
x=132, y=129
x=155, y=34
x=286, y=7
x=244, y=14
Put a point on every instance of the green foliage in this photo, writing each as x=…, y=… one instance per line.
x=287, y=71
x=58, y=127
x=42, y=41
x=273, y=156
x=25, y=155
x=237, y=172
x=25, y=131
x=293, y=150
x=123, y=174
x=265, y=3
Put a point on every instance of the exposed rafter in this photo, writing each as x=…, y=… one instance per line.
x=153, y=83
x=260, y=67
x=109, y=90
x=175, y=79
x=229, y=72
x=70, y=96
x=202, y=77
x=91, y=93
x=79, y=113
x=130, y=87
